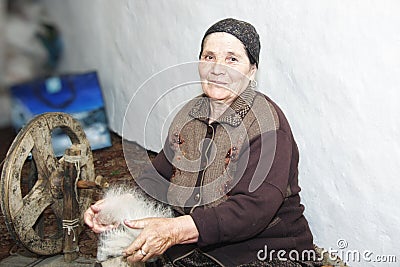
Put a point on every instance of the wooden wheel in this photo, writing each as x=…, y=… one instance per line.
x=25, y=209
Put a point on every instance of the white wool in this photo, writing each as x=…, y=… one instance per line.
x=122, y=203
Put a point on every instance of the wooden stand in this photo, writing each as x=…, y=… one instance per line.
x=71, y=207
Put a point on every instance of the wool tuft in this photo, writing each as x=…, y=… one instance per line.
x=122, y=203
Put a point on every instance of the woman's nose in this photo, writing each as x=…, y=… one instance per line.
x=218, y=68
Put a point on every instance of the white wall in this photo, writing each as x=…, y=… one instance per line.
x=333, y=67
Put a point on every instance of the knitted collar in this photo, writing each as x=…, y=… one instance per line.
x=232, y=116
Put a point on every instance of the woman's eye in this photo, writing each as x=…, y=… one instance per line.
x=232, y=59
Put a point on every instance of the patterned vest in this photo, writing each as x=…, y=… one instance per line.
x=205, y=156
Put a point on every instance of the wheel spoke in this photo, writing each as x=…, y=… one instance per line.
x=13, y=179
x=34, y=203
x=43, y=152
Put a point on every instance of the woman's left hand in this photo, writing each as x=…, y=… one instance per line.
x=158, y=235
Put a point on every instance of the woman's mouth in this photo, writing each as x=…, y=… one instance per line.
x=217, y=82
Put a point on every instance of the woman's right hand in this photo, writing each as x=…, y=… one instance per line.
x=91, y=217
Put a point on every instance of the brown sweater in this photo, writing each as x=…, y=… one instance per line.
x=260, y=205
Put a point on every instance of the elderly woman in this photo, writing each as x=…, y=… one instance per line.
x=228, y=168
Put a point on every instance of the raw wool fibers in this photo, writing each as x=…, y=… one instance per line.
x=122, y=203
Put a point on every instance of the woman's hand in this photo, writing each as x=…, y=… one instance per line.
x=91, y=218
x=158, y=235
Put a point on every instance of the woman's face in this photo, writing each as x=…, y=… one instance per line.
x=225, y=69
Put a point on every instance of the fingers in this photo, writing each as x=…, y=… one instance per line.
x=142, y=254
x=96, y=207
x=137, y=224
x=88, y=217
x=147, y=255
x=98, y=227
x=135, y=246
x=138, y=250
x=91, y=220
x=155, y=238
x=139, y=255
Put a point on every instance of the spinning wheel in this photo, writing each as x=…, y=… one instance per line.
x=25, y=207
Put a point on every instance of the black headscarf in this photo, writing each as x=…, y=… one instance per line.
x=242, y=30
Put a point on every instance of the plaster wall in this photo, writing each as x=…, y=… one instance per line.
x=332, y=66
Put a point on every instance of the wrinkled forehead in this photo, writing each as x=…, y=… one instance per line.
x=222, y=41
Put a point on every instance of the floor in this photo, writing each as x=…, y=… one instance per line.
x=54, y=261
x=108, y=162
